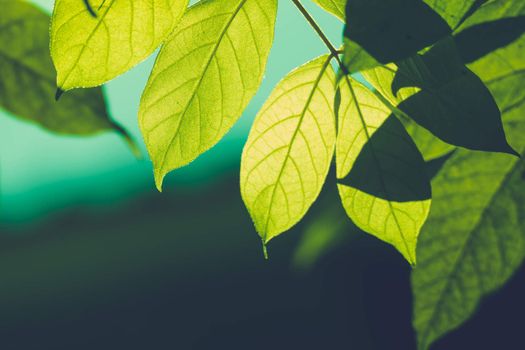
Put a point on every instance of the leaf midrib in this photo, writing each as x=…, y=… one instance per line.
x=294, y=135
x=90, y=36
x=383, y=185
x=199, y=81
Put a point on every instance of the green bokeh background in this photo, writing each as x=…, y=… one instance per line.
x=42, y=172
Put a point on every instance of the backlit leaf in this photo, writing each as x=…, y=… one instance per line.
x=383, y=183
x=27, y=78
x=203, y=79
x=290, y=148
x=474, y=239
x=88, y=51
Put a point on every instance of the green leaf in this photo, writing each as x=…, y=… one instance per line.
x=379, y=32
x=290, y=147
x=203, y=79
x=381, y=79
x=27, y=81
x=453, y=103
x=468, y=248
x=88, y=51
x=474, y=239
x=383, y=185
x=335, y=7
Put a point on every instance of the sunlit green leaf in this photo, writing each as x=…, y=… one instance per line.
x=383, y=184
x=335, y=7
x=27, y=79
x=379, y=31
x=290, y=148
x=473, y=241
x=88, y=51
x=474, y=238
x=204, y=77
x=381, y=79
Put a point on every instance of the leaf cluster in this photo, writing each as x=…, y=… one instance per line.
x=441, y=78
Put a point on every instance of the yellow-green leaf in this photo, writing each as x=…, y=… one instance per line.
x=90, y=50
x=383, y=183
x=27, y=80
x=204, y=77
x=290, y=148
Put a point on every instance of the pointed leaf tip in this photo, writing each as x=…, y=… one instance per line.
x=512, y=151
x=132, y=144
x=159, y=178
x=223, y=74
x=274, y=165
x=58, y=94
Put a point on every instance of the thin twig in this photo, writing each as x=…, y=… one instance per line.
x=335, y=53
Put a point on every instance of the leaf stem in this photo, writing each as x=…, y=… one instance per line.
x=334, y=52
x=265, y=250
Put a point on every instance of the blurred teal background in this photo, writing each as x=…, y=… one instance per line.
x=41, y=172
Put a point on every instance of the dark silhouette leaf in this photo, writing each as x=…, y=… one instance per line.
x=385, y=167
x=429, y=145
x=481, y=39
x=379, y=31
x=453, y=103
